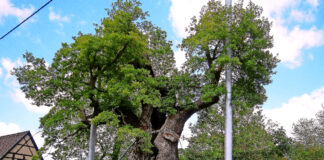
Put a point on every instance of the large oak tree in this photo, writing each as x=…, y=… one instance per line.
x=124, y=77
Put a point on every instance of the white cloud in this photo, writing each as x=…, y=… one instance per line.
x=8, y=65
x=305, y=106
x=277, y=8
x=288, y=43
x=314, y=3
x=57, y=17
x=8, y=9
x=300, y=16
x=186, y=133
x=16, y=94
x=9, y=128
x=181, y=12
x=180, y=57
x=37, y=135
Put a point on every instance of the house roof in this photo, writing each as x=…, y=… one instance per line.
x=8, y=143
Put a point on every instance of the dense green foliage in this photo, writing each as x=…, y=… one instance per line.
x=250, y=41
x=301, y=152
x=252, y=66
x=123, y=79
x=94, y=77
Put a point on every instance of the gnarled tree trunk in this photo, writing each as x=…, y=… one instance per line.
x=167, y=139
x=165, y=132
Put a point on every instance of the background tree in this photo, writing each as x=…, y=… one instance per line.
x=309, y=138
x=310, y=131
x=252, y=137
x=282, y=143
x=124, y=76
x=252, y=66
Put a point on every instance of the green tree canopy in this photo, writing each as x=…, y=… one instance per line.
x=95, y=75
x=124, y=77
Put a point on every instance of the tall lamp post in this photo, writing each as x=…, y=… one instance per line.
x=228, y=115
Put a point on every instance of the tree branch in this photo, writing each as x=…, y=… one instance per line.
x=70, y=135
x=209, y=59
x=215, y=49
x=199, y=103
x=120, y=53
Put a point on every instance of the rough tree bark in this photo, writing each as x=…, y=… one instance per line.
x=165, y=132
x=167, y=139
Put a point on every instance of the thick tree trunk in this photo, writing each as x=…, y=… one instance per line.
x=165, y=131
x=167, y=139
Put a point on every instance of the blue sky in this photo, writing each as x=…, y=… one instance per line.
x=298, y=29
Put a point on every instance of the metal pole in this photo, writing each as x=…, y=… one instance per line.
x=93, y=135
x=228, y=116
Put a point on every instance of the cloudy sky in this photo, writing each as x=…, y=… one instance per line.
x=298, y=28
